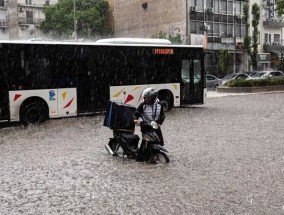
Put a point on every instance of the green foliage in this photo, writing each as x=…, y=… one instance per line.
x=251, y=42
x=280, y=7
x=247, y=44
x=160, y=35
x=224, y=61
x=255, y=23
x=90, y=16
x=247, y=38
x=256, y=82
x=174, y=38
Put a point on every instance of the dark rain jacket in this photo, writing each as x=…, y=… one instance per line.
x=154, y=112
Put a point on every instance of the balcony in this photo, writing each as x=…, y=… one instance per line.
x=3, y=23
x=30, y=6
x=29, y=21
x=272, y=47
x=272, y=23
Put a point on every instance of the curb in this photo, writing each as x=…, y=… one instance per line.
x=250, y=89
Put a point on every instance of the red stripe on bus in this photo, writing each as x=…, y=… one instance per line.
x=129, y=98
x=69, y=103
x=17, y=96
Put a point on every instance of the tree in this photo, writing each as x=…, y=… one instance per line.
x=251, y=42
x=89, y=14
x=280, y=7
x=247, y=38
x=255, y=23
x=224, y=61
x=174, y=38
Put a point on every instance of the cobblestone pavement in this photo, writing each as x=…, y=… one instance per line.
x=226, y=158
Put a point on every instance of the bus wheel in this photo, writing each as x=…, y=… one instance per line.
x=34, y=113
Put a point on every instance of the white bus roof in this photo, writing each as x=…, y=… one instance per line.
x=134, y=41
x=147, y=42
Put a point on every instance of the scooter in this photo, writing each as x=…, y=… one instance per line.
x=154, y=151
x=128, y=142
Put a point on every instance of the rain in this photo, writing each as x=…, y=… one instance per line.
x=226, y=158
x=225, y=150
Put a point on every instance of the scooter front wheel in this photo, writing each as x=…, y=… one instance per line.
x=162, y=157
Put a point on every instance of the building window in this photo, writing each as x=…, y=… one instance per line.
x=193, y=27
x=230, y=7
x=230, y=30
x=209, y=17
x=231, y=19
x=46, y=2
x=28, y=1
x=216, y=6
x=243, y=30
x=238, y=8
x=216, y=18
x=29, y=17
x=238, y=30
x=224, y=30
x=266, y=38
x=199, y=5
x=1, y=3
x=216, y=31
x=277, y=38
x=224, y=6
x=209, y=3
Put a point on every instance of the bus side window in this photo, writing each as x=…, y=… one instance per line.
x=140, y=70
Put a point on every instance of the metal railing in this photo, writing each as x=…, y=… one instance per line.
x=273, y=24
x=29, y=21
x=3, y=23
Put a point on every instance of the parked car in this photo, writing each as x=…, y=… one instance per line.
x=267, y=74
x=251, y=73
x=235, y=76
x=212, y=81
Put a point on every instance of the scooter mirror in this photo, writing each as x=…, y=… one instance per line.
x=154, y=125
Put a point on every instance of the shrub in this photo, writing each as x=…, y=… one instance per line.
x=256, y=82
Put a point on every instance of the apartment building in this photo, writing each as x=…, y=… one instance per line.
x=270, y=36
x=216, y=24
x=20, y=19
x=3, y=20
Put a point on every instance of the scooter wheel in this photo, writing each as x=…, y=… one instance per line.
x=113, y=145
x=162, y=157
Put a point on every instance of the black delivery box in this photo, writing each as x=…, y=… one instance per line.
x=119, y=116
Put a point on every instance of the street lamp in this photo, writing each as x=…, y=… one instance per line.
x=234, y=32
x=281, y=60
x=75, y=21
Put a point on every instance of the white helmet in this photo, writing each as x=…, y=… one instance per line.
x=151, y=94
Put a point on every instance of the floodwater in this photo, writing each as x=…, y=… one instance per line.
x=226, y=158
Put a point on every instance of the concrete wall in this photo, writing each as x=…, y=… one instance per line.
x=132, y=20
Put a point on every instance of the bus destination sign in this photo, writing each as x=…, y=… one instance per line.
x=163, y=51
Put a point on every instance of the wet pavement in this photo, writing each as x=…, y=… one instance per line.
x=226, y=158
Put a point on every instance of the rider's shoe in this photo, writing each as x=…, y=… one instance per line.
x=152, y=160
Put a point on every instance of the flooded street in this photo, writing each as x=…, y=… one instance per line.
x=226, y=158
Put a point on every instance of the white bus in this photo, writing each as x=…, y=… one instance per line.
x=41, y=80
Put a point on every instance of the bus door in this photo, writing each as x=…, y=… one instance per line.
x=4, y=101
x=192, y=87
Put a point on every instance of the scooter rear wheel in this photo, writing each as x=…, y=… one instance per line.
x=113, y=146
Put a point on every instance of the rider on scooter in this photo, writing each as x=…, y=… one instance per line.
x=152, y=110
